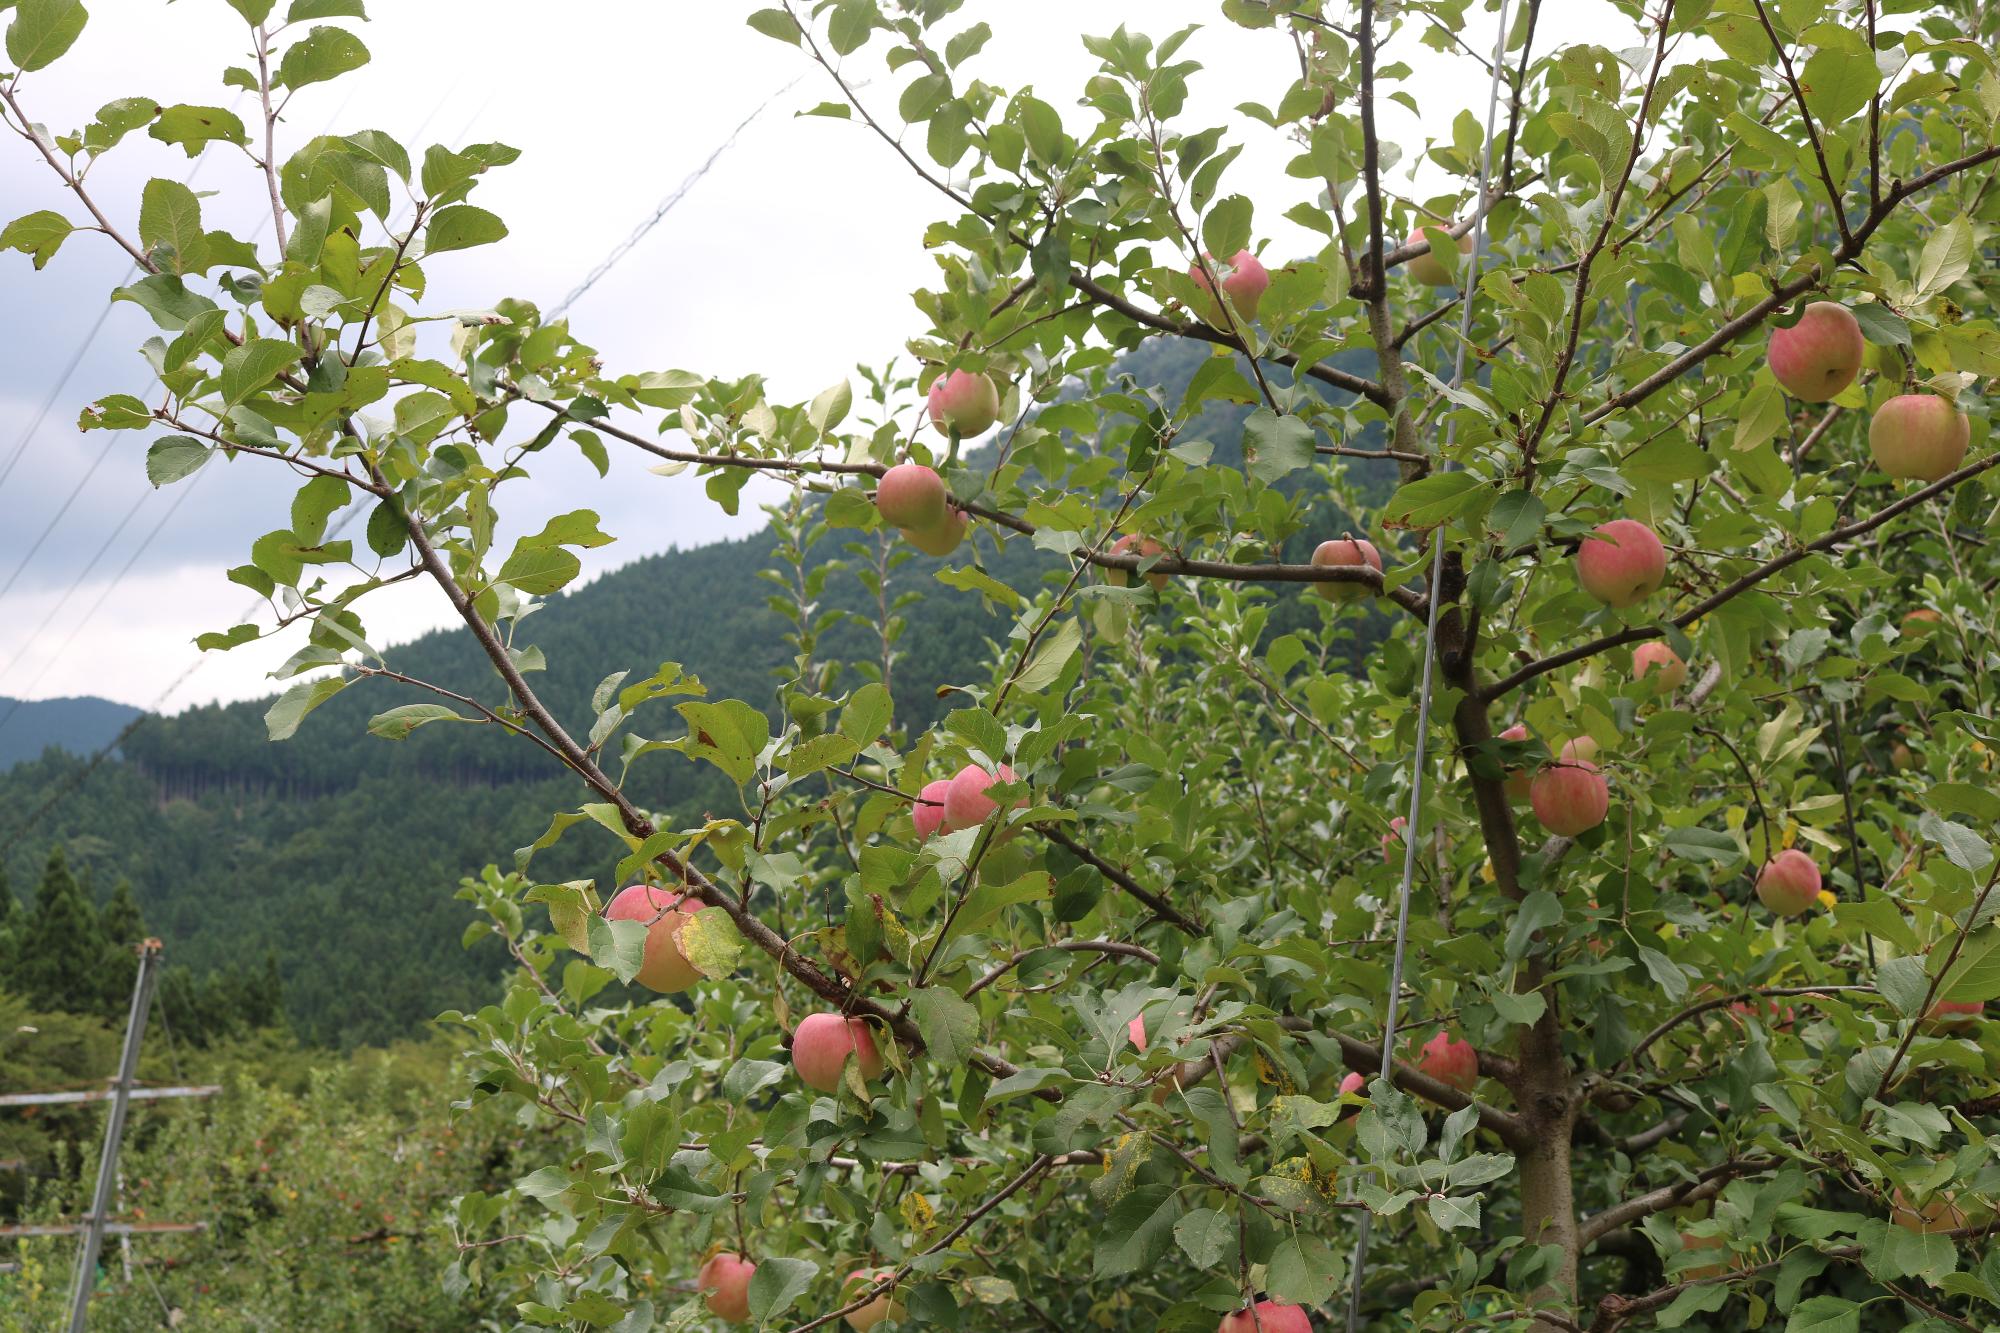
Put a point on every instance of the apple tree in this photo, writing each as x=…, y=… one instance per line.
x=1570, y=662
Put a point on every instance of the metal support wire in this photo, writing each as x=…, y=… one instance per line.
x=1467, y=286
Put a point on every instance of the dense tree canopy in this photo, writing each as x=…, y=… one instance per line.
x=1696, y=549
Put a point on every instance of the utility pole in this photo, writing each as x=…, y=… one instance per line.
x=93, y=1223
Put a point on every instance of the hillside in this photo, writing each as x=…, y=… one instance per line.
x=80, y=726
x=340, y=851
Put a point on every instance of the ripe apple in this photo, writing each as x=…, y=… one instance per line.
x=1244, y=281
x=1901, y=757
x=1940, y=1214
x=966, y=804
x=1450, y=1061
x=964, y=403
x=726, y=1279
x=882, y=1307
x=1820, y=355
x=1518, y=779
x=911, y=495
x=1580, y=747
x=1271, y=1317
x=1346, y=551
x=928, y=813
x=1354, y=1083
x=941, y=540
x=1655, y=654
x=1429, y=269
x=1921, y=621
x=1789, y=882
x=1570, y=796
x=1955, y=1013
x=1918, y=435
x=1621, y=562
x=1143, y=547
x=663, y=967
x=821, y=1045
x=1392, y=842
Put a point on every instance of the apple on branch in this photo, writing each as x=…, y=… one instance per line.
x=1346, y=551
x=1789, y=882
x=1244, y=281
x=1820, y=355
x=663, y=967
x=1621, y=563
x=1428, y=268
x=822, y=1044
x=726, y=1279
x=1918, y=436
x=964, y=404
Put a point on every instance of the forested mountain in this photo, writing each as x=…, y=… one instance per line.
x=340, y=851
x=81, y=726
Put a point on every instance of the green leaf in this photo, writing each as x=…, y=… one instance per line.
x=194, y=127
x=778, y=1281
x=1205, y=1235
x=254, y=364
x=619, y=945
x=1303, y=1271
x=1051, y=656
x=37, y=235
x=869, y=710
x=539, y=570
x=282, y=719
x=461, y=227
x=1975, y=974
x=1947, y=257
x=42, y=30
x=1903, y=983
x=398, y=723
x=1274, y=446
x=172, y=457
x=170, y=216
x=949, y=1024
x=253, y=11
x=324, y=53
x=1137, y=1231
x=1822, y=1314
x=1704, y=1299
x=1962, y=847
x=776, y=23
x=227, y=639
x=1438, y=498
x=166, y=298
x=1226, y=229
x=304, y=11
x=1454, y=1211
x=1838, y=82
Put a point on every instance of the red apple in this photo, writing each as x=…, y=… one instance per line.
x=1392, y=842
x=726, y=1279
x=1918, y=435
x=1244, y=281
x=1271, y=1317
x=1655, y=654
x=1778, y=1017
x=1580, y=747
x=822, y=1044
x=1570, y=796
x=966, y=804
x=1940, y=1214
x=1921, y=621
x=1818, y=356
x=1450, y=1061
x=941, y=540
x=1955, y=1013
x=1518, y=779
x=1143, y=547
x=1136, y=1029
x=882, y=1307
x=1428, y=268
x=1789, y=882
x=1346, y=551
x=1354, y=1083
x=964, y=403
x=663, y=967
x=1621, y=563
x=928, y=813
x=911, y=495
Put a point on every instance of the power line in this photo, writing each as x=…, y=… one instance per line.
x=62, y=383
x=626, y=246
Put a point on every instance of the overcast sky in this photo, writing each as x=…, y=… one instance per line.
x=794, y=258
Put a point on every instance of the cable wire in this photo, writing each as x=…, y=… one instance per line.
x=1410, y=833
x=626, y=246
